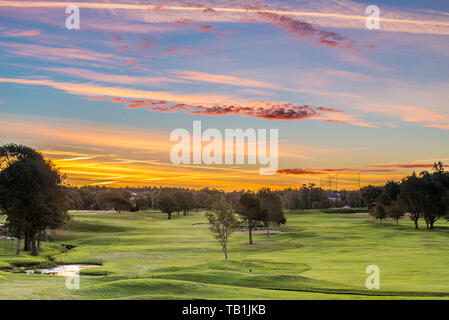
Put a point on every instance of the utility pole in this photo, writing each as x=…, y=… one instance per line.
x=359, y=181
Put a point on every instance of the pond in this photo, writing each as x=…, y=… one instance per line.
x=64, y=270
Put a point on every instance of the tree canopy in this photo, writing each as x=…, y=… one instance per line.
x=32, y=194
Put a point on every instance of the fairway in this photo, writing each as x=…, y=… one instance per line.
x=317, y=256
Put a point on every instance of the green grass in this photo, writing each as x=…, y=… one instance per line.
x=318, y=256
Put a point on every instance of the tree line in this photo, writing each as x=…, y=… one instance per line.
x=421, y=196
x=185, y=200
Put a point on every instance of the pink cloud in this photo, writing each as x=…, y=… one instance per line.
x=134, y=104
x=21, y=33
x=303, y=30
x=96, y=99
x=206, y=28
x=262, y=110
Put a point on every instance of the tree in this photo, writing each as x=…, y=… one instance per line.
x=379, y=211
x=222, y=220
x=167, y=205
x=424, y=196
x=249, y=208
x=32, y=194
x=370, y=194
x=391, y=190
x=116, y=199
x=410, y=197
x=435, y=199
x=184, y=200
x=395, y=211
x=271, y=206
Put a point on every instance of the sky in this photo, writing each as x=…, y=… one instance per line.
x=353, y=106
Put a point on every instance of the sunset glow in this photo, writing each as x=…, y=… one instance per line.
x=352, y=106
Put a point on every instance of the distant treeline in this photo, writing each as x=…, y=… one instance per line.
x=424, y=195
x=145, y=198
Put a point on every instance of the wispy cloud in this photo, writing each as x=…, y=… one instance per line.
x=330, y=171
x=323, y=13
x=408, y=113
x=16, y=33
x=403, y=166
x=55, y=53
x=112, y=77
x=222, y=79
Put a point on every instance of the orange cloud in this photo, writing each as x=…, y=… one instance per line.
x=88, y=89
x=414, y=114
x=222, y=79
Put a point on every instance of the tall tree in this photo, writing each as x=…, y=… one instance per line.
x=434, y=198
x=271, y=204
x=32, y=194
x=249, y=209
x=411, y=198
x=222, y=220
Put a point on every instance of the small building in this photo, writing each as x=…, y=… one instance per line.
x=334, y=196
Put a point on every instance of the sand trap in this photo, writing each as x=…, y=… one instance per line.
x=85, y=212
x=93, y=212
x=405, y=216
x=240, y=231
x=258, y=231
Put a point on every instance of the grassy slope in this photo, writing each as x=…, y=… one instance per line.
x=319, y=256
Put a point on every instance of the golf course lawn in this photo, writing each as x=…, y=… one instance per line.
x=318, y=256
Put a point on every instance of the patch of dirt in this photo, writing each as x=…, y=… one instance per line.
x=94, y=212
x=361, y=214
x=258, y=231
x=202, y=225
